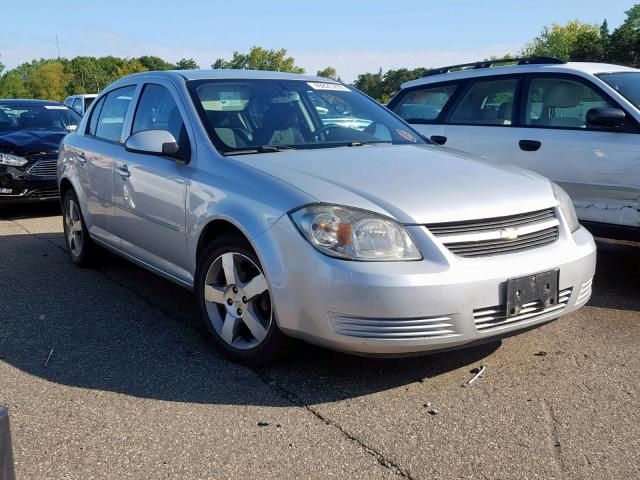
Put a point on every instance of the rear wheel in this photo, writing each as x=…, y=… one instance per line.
x=79, y=245
x=236, y=303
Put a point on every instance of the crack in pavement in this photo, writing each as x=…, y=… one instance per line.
x=285, y=394
x=551, y=426
x=295, y=400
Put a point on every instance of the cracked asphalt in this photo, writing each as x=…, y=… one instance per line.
x=107, y=376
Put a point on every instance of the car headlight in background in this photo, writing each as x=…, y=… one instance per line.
x=354, y=234
x=566, y=207
x=13, y=160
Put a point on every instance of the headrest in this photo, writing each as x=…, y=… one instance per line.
x=224, y=119
x=564, y=95
x=281, y=115
x=505, y=111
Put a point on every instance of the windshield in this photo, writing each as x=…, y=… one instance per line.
x=15, y=117
x=247, y=116
x=626, y=84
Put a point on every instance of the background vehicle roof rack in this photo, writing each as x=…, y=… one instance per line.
x=489, y=63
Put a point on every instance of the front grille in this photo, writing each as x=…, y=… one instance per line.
x=49, y=193
x=393, y=328
x=487, y=319
x=44, y=168
x=494, y=236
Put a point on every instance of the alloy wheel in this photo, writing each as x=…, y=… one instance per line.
x=237, y=300
x=73, y=221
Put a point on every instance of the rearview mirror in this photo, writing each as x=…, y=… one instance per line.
x=154, y=142
x=606, y=118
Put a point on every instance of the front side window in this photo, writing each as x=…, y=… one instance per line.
x=15, y=116
x=114, y=110
x=424, y=104
x=626, y=84
x=77, y=105
x=488, y=102
x=560, y=103
x=246, y=115
x=157, y=110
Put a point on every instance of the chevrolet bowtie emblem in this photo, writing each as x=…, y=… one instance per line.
x=508, y=234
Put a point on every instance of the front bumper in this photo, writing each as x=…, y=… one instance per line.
x=397, y=308
x=18, y=186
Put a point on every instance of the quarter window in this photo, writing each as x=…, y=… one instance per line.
x=77, y=105
x=424, y=104
x=95, y=115
x=113, y=113
x=560, y=103
x=486, y=103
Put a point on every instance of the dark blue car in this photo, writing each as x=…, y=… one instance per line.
x=30, y=132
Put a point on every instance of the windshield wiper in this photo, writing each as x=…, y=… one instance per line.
x=359, y=143
x=261, y=149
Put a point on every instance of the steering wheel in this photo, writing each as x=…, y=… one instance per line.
x=324, y=130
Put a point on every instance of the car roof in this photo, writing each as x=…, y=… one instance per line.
x=28, y=101
x=569, y=67
x=221, y=74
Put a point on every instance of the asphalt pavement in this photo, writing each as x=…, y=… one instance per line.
x=107, y=376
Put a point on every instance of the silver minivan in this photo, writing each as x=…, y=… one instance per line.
x=295, y=206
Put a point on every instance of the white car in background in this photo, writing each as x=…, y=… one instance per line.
x=80, y=103
x=576, y=123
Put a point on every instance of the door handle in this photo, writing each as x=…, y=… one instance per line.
x=529, y=145
x=124, y=171
x=439, y=139
x=82, y=158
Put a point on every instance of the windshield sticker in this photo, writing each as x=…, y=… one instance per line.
x=336, y=87
x=55, y=107
x=406, y=135
x=230, y=99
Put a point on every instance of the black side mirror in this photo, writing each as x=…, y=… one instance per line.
x=606, y=118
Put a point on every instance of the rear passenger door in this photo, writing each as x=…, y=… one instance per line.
x=101, y=143
x=479, y=121
x=469, y=115
x=598, y=167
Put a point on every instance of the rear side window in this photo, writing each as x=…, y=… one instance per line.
x=424, y=104
x=560, y=103
x=487, y=102
x=112, y=114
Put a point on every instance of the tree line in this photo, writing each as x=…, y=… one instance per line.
x=55, y=79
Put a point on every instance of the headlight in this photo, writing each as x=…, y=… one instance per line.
x=8, y=159
x=354, y=234
x=566, y=207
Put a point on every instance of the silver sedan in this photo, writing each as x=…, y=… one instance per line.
x=356, y=235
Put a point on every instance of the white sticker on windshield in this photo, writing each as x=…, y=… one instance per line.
x=230, y=99
x=55, y=107
x=336, y=87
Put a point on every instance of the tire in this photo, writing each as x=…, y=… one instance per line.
x=82, y=250
x=235, y=303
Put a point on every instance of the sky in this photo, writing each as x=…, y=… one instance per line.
x=353, y=36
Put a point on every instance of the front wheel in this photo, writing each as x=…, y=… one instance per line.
x=235, y=302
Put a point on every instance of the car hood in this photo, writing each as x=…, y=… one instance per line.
x=25, y=142
x=414, y=184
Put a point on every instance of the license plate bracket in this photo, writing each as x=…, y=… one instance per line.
x=538, y=287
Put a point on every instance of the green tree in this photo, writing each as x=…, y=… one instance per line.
x=12, y=85
x=328, y=72
x=1, y=68
x=153, y=63
x=47, y=80
x=574, y=41
x=127, y=67
x=260, y=58
x=187, y=64
x=624, y=42
x=371, y=84
x=383, y=86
